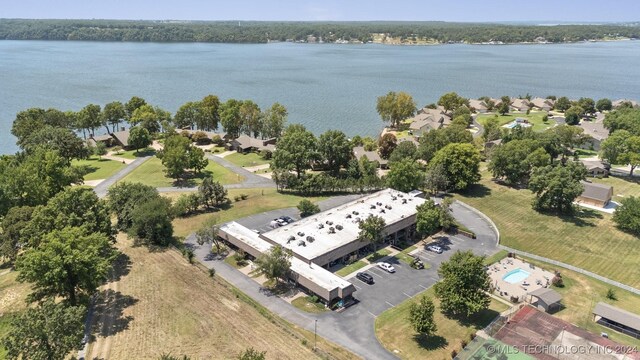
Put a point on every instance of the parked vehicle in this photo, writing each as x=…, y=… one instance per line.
x=288, y=219
x=274, y=224
x=364, y=277
x=281, y=222
x=386, y=267
x=417, y=264
x=436, y=249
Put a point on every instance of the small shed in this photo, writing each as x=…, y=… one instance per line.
x=595, y=194
x=545, y=299
x=617, y=319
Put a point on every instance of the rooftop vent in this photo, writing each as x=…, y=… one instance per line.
x=320, y=226
x=302, y=243
x=290, y=239
x=382, y=211
x=348, y=216
x=310, y=239
x=332, y=230
x=400, y=195
x=404, y=201
x=300, y=233
x=339, y=227
x=372, y=206
x=393, y=198
x=379, y=203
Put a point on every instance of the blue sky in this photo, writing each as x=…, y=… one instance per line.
x=442, y=10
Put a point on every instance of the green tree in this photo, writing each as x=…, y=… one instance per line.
x=275, y=263
x=212, y=192
x=230, y=117
x=149, y=117
x=604, y=105
x=372, y=230
x=251, y=118
x=68, y=263
x=588, y=105
x=435, y=140
x=631, y=153
x=451, y=101
x=13, y=225
x=139, y=138
x=123, y=199
x=295, y=150
x=556, y=187
x=492, y=130
x=208, y=234
x=252, y=354
x=275, y=119
x=562, y=104
x=132, y=105
x=623, y=119
x=100, y=149
x=335, y=149
x=446, y=219
x=73, y=207
x=113, y=114
x=48, y=332
x=435, y=178
x=515, y=160
x=573, y=114
x=427, y=218
x=151, y=221
x=64, y=141
x=464, y=285
x=386, y=145
x=179, y=155
x=462, y=114
x=461, y=163
x=404, y=150
x=90, y=118
x=421, y=316
x=29, y=121
x=613, y=146
x=307, y=208
x=209, y=113
x=504, y=105
x=188, y=115
x=627, y=215
x=405, y=175
x=395, y=107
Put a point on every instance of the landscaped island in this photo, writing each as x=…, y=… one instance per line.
x=308, y=32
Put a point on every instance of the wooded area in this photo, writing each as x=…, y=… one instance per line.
x=262, y=32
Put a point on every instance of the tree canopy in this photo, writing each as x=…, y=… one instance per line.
x=405, y=175
x=275, y=263
x=464, y=284
x=557, y=186
x=372, y=230
x=627, y=215
x=461, y=163
x=395, y=107
x=421, y=316
x=295, y=150
x=335, y=149
x=515, y=160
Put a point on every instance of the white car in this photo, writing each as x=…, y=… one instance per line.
x=435, y=249
x=386, y=267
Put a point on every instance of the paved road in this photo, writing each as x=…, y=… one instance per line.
x=479, y=126
x=354, y=328
x=101, y=189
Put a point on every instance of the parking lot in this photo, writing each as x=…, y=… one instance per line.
x=390, y=289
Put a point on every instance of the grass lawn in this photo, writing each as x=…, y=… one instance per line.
x=622, y=187
x=132, y=154
x=260, y=200
x=583, y=153
x=304, y=304
x=496, y=257
x=378, y=255
x=151, y=173
x=351, y=268
x=231, y=260
x=589, y=239
x=581, y=294
x=245, y=160
x=396, y=334
x=534, y=117
x=95, y=168
x=13, y=297
x=162, y=304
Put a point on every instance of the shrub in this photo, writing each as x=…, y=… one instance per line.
x=307, y=208
x=454, y=353
x=545, y=118
x=312, y=299
x=244, y=196
x=557, y=281
x=212, y=272
x=200, y=138
x=266, y=154
x=216, y=139
x=237, y=198
x=463, y=343
x=189, y=254
x=611, y=295
x=472, y=336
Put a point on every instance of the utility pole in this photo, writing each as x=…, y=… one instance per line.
x=315, y=335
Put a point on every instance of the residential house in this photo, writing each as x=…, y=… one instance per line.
x=542, y=104
x=429, y=119
x=359, y=152
x=490, y=145
x=597, y=132
x=478, y=106
x=595, y=194
x=596, y=168
x=619, y=102
x=520, y=105
x=245, y=143
x=118, y=138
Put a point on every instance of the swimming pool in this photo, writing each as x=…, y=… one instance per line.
x=515, y=276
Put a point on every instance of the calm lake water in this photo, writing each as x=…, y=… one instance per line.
x=323, y=86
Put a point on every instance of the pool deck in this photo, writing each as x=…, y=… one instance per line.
x=537, y=279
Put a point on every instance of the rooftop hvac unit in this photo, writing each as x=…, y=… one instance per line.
x=310, y=239
x=300, y=233
x=348, y=216
x=354, y=212
x=404, y=201
x=290, y=239
x=320, y=226
x=302, y=243
x=332, y=230
x=379, y=203
x=393, y=198
x=372, y=206
x=382, y=211
x=400, y=195
x=339, y=227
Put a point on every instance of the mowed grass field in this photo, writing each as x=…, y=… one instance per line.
x=96, y=168
x=534, y=117
x=246, y=160
x=259, y=200
x=396, y=334
x=159, y=303
x=13, y=297
x=151, y=173
x=588, y=240
x=133, y=154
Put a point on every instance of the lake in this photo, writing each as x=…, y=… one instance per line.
x=324, y=86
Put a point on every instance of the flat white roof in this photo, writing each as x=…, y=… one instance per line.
x=391, y=205
x=315, y=273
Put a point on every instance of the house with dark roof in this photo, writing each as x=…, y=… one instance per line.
x=542, y=104
x=429, y=119
x=545, y=299
x=118, y=138
x=520, y=104
x=595, y=194
x=359, y=152
x=596, y=168
x=245, y=143
x=597, y=134
x=617, y=319
x=478, y=106
x=619, y=102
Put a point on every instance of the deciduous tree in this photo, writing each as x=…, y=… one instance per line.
x=627, y=215
x=372, y=230
x=295, y=150
x=113, y=114
x=132, y=105
x=451, y=101
x=562, y=104
x=464, y=284
x=275, y=263
x=573, y=114
x=252, y=354
x=212, y=193
x=404, y=150
x=307, y=208
x=604, y=105
x=210, y=113
x=151, y=221
x=427, y=218
x=123, y=198
x=421, y=316
x=251, y=118
x=461, y=163
x=275, y=119
x=556, y=187
x=405, y=175
x=230, y=117
x=386, y=145
x=335, y=149
x=13, y=224
x=514, y=161
x=623, y=119
x=395, y=107
x=139, y=138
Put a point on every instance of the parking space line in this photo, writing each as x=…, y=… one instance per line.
x=355, y=286
x=372, y=314
x=423, y=287
x=375, y=273
x=390, y=304
x=407, y=295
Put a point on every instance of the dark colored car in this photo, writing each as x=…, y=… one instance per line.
x=287, y=219
x=364, y=277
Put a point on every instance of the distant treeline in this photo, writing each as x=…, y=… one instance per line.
x=262, y=32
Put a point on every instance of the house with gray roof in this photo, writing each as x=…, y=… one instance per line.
x=597, y=133
x=545, y=299
x=618, y=319
x=478, y=106
x=595, y=194
x=359, y=152
x=245, y=143
x=542, y=104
